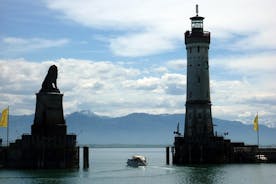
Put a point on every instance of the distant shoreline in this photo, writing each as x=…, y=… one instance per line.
x=125, y=145
x=142, y=145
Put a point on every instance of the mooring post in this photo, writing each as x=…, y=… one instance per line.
x=172, y=150
x=190, y=154
x=168, y=155
x=78, y=156
x=85, y=157
x=201, y=153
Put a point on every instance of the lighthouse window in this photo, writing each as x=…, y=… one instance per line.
x=197, y=24
x=198, y=49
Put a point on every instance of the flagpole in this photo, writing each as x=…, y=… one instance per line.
x=258, y=137
x=8, y=126
x=258, y=140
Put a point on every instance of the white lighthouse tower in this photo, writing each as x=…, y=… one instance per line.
x=198, y=120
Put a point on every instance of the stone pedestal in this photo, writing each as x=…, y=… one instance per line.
x=51, y=146
x=49, y=119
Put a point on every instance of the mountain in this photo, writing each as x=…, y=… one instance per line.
x=137, y=128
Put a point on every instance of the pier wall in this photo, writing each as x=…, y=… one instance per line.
x=217, y=150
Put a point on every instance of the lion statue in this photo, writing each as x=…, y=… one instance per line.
x=50, y=82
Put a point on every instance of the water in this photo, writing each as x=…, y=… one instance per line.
x=108, y=165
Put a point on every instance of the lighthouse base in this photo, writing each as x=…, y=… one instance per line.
x=215, y=150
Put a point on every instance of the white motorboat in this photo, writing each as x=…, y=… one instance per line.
x=136, y=161
x=261, y=158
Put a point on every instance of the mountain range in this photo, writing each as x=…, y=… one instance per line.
x=138, y=128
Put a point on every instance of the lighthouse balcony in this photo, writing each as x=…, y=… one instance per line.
x=197, y=37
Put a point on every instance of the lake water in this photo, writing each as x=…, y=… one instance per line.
x=108, y=165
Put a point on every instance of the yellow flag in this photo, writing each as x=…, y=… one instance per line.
x=4, y=118
x=256, y=123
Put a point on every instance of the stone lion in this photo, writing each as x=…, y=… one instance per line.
x=50, y=82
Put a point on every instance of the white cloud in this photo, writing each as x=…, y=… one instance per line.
x=255, y=72
x=178, y=64
x=102, y=87
x=153, y=26
x=117, y=89
x=16, y=44
x=161, y=69
x=244, y=86
x=175, y=84
x=150, y=83
x=141, y=44
x=261, y=63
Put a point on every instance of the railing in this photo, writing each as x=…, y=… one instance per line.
x=194, y=37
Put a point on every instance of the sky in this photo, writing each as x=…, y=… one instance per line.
x=117, y=57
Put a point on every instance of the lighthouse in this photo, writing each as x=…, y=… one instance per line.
x=198, y=120
x=198, y=144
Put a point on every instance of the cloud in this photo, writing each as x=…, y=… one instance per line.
x=242, y=86
x=256, y=63
x=148, y=27
x=146, y=83
x=100, y=86
x=135, y=45
x=255, y=72
x=166, y=84
x=262, y=99
x=16, y=44
x=116, y=89
x=178, y=64
x=175, y=84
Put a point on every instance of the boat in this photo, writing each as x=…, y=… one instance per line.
x=136, y=161
x=261, y=158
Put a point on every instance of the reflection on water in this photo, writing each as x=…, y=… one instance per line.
x=38, y=176
x=109, y=166
x=199, y=174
